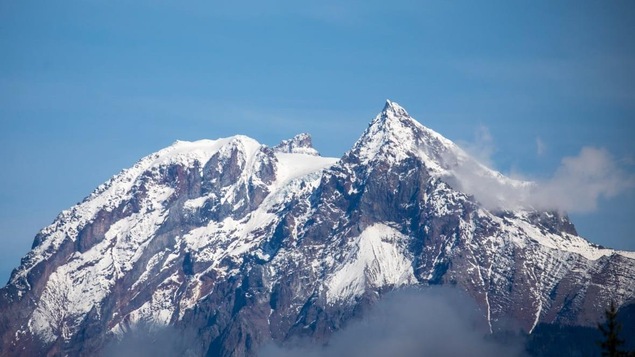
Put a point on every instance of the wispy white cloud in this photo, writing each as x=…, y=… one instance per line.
x=578, y=184
x=541, y=147
x=328, y=12
x=581, y=181
x=602, y=77
x=482, y=147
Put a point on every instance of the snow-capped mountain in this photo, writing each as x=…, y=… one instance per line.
x=245, y=244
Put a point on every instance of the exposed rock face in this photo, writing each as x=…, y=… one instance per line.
x=299, y=144
x=239, y=244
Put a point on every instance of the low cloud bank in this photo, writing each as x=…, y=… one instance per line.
x=412, y=322
x=151, y=340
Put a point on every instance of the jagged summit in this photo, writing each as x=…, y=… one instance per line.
x=393, y=115
x=299, y=144
x=242, y=245
x=393, y=108
x=393, y=135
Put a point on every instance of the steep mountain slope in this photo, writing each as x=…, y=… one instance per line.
x=237, y=244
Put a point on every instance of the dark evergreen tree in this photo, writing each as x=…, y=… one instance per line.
x=611, y=332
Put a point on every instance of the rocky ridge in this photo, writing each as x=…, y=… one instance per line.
x=246, y=244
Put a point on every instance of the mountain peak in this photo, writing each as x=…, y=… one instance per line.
x=299, y=144
x=394, y=109
x=395, y=120
x=283, y=242
x=395, y=135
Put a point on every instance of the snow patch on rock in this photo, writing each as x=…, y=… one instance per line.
x=378, y=260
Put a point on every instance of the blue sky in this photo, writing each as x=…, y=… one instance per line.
x=89, y=87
